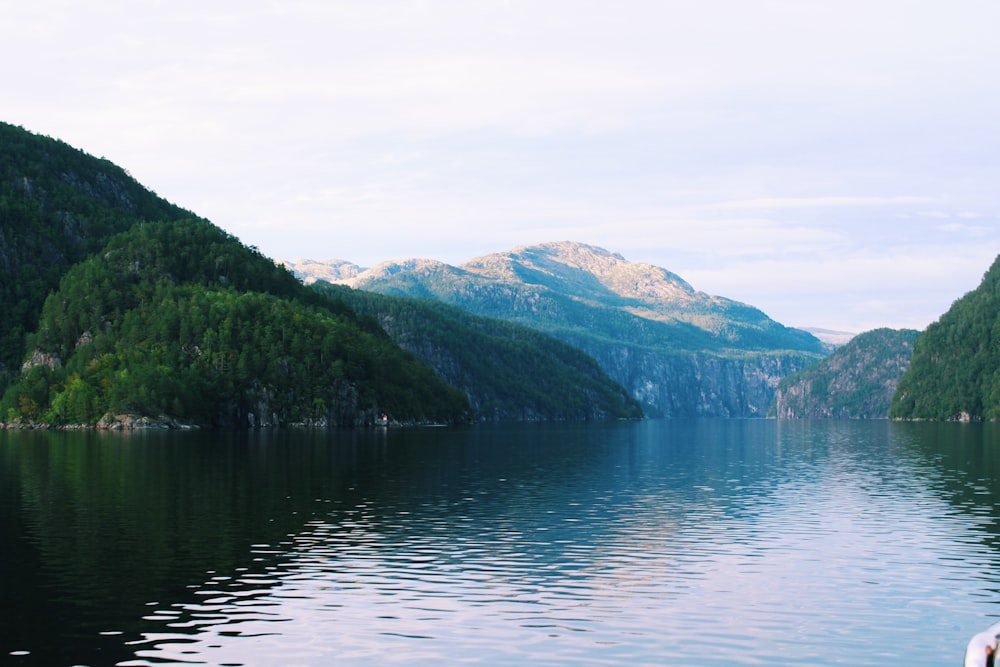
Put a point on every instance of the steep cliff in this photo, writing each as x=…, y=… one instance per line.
x=855, y=382
x=698, y=384
x=679, y=351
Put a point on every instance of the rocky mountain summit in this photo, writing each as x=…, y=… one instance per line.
x=585, y=270
x=527, y=281
x=679, y=351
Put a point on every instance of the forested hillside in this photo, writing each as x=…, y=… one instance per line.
x=955, y=372
x=857, y=381
x=179, y=321
x=508, y=371
x=57, y=206
x=119, y=306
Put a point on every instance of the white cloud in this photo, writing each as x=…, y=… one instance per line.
x=821, y=202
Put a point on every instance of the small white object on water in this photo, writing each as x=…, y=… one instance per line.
x=975, y=652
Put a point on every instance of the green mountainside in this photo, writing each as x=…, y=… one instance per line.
x=508, y=371
x=180, y=322
x=572, y=288
x=118, y=307
x=57, y=206
x=680, y=352
x=857, y=381
x=955, y=372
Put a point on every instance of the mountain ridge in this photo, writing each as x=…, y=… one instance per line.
x=582, y=271
x=680, y=351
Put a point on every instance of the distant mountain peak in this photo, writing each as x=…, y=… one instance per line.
x=416, y=265
x=330, y=270
x=415, y=269
x=571, y=252
x=580, y=272
x=587, y=268
x=677, y=350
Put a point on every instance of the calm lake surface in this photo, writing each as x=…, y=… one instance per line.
x=645, y=543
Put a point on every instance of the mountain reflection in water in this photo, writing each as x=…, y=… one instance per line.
x=655, y=542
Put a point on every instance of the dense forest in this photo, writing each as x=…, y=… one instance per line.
x=180, y=320
x=120, y=307
x=857, y=381
x=57, y=206
x=508, y=371
x=955, y=372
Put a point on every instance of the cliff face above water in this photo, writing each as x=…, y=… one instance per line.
x=699, y=384
x=679, y=351
x=857, y=381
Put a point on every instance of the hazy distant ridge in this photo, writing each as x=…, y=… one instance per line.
x=330, y=270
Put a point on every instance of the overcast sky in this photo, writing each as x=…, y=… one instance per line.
x=834, y=163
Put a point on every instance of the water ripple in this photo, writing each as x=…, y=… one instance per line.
x=653, y=543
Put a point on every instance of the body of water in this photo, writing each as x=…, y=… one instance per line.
x=640, y=543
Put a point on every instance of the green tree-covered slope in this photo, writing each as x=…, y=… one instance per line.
x=57, y=206
x=955, y=372
x=857, y=381
x=180, y=320
x=508, y=371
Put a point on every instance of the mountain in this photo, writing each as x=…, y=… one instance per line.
x=330, y=270
x=954, y=373
x=680, y=352
x=181, y=322
x=119, y=306
x=509, y=372
x=116, y=302
x=857, y=381
x=57, y=206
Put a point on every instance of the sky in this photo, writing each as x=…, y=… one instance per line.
x=833, y=163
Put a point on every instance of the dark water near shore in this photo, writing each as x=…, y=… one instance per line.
x=656, y=543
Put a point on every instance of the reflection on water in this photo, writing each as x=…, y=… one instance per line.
x=658, y=542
